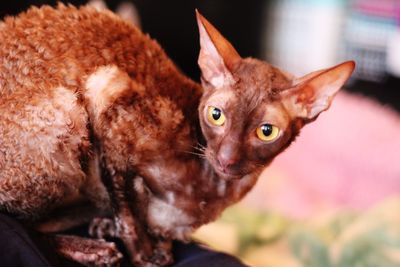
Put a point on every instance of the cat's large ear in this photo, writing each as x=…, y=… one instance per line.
x=217, y=56
x=313, y=93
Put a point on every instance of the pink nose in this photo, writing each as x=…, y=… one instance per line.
x=228, y=154
x=226, y=161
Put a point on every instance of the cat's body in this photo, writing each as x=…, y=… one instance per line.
x=92, y=108
x=45, y=64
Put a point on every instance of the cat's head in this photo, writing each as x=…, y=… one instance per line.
x=250, y=110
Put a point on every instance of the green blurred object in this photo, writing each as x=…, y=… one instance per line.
x=371, y=239
x=255, y=228
x=341, y=239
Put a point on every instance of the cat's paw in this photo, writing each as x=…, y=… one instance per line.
x=161, y=257
x=102, y=228
x=105, y=254
x=88, y=252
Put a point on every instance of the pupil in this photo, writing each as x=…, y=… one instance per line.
x=216, y=114
x=267, y=129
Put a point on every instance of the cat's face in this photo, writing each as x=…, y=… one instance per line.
x=251, y=111
x=245, y=123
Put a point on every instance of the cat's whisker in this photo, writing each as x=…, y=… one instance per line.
x=200, y=149
x=201, y=146
x=194, y=153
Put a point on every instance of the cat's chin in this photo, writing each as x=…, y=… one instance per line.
x=227, y=174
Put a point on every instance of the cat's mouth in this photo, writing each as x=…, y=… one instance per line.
x=228, y=173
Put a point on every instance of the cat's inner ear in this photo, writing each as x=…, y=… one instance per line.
x=217, y=56
x=314, y=92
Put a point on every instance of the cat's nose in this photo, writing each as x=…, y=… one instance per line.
x=226, y=163
x=227, y=157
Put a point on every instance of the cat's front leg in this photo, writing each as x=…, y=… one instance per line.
x=143, y=249
x=106, y=228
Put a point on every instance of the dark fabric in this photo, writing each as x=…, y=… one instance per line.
x=196, y=255
x=21, y=247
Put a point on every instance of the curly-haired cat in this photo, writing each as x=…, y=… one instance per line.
x=91, y=108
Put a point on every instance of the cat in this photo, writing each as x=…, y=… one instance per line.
x=93, y=109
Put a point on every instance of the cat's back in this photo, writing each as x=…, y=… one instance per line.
x=47, y=47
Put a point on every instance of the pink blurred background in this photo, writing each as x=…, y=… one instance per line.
x=349, y=157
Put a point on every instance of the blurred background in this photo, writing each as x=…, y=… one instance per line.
x=332, y=199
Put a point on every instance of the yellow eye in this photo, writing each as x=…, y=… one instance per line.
x=215, y=116
x=267, y=132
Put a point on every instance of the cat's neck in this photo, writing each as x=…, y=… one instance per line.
x=211, y=194
x=228, y=190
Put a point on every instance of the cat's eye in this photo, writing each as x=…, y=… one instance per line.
x=267, y=132
x=215, y=116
